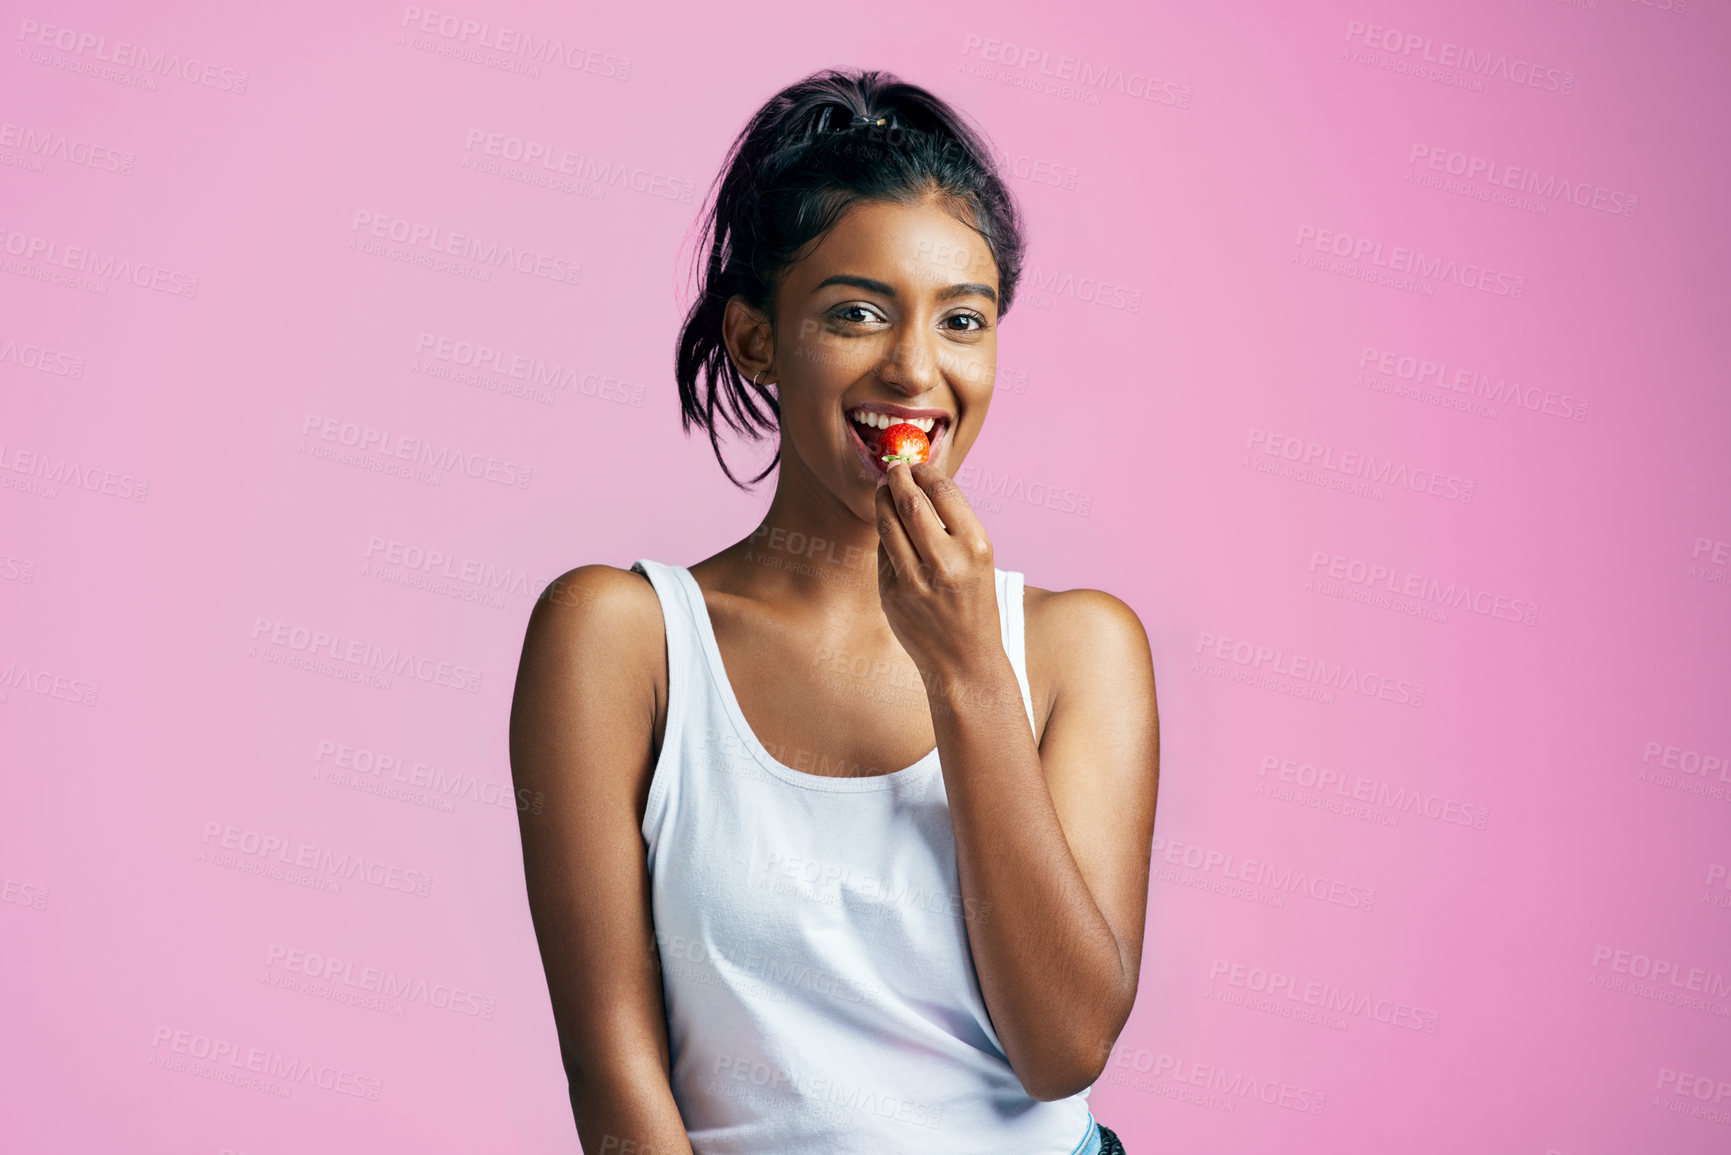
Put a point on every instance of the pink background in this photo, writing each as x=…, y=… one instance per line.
x=1529, y=949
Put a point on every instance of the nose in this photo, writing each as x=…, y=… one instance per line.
x=910, y=365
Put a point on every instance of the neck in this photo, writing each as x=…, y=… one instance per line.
x=810, y=548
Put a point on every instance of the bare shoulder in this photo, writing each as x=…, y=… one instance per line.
x=594, y=656
x=1086, y=623
x=1083, y=642
x=601, y=609
x=589, y=588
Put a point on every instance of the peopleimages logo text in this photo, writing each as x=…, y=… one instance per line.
x=121, y=54
x=45, y=144
x=260, y=1061
x=1087, y=75
x=382, y=981
x=516, y=42
x=467, y=246
x=1376, y=576
x=1696, y=980
x=1328, y=996
x=282, y=852
x=53, y=472
x=580, y=166
x=1358, y=788
x=1401, y=259
x=1486, y=65
x=1310, y=668
x=1475, y=169
x=95, y=263
x=1426, y=371
x=48, y=684
x=1257, y=872
x=385, y=443
x=363, y=654
x=1363, y=466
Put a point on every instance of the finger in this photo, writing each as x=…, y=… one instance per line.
x=918, y=470
x=893, y=537
x=924, y=528
x=950, y=503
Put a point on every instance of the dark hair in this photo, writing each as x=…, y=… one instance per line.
x=834, y=139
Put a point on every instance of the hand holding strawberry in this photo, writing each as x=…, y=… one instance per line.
x=935, y=573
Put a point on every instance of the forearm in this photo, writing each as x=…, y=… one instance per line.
x=625, y=1112
x=1050, y=969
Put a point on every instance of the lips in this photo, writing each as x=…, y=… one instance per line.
x=865, y=422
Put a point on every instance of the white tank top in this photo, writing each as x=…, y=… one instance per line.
x=821, y=995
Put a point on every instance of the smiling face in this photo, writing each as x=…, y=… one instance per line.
x=893, y=314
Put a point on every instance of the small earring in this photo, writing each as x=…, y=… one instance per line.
x=756, y=375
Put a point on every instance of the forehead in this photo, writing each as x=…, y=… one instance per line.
x=919, y=244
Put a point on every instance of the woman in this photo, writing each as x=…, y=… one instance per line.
x=846, y=837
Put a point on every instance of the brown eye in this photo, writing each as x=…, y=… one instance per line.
x=844, y=313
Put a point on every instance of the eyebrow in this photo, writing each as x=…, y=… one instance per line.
x=871, y=286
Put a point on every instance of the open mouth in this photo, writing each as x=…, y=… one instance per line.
x=866, y=423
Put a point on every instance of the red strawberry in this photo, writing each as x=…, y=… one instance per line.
x=904, y=442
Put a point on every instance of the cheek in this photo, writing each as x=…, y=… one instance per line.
x=814, y=428
x=824, y=356
x=974, y=373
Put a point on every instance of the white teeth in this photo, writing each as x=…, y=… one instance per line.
x=883, y=420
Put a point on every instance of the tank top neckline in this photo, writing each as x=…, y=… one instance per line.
x=913, y=773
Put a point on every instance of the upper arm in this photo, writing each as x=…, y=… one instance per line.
x=582, y=721
x=1101, y=752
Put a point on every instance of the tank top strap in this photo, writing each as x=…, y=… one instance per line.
x=1011, y=598
x=685, y=677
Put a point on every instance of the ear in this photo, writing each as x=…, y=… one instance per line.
x=750, y=339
